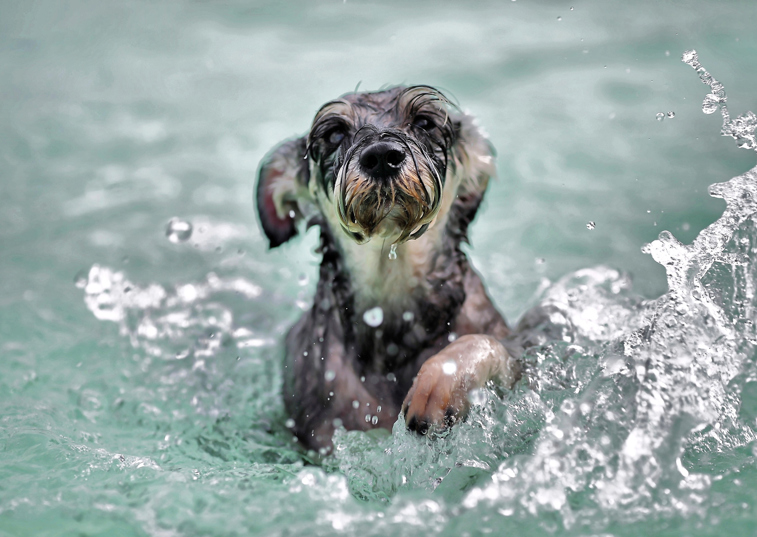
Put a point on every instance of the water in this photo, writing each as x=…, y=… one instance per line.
x=141, y=317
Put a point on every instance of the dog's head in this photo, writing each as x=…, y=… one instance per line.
x=384, y=164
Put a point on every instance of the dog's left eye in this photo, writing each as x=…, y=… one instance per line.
x=335, y=136
x=423, y=122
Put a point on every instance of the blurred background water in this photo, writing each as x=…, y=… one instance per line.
x=139, y=370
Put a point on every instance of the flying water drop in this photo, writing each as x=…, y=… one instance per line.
x=393, y=252
x=178, y=230
x=710, y=104
x=374, y=316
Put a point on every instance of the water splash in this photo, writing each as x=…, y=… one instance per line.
x=624, y=406
x=623, y=398
x=186, y=320
x=742, y=129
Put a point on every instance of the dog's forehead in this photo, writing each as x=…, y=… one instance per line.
x=375, y=100
x=382, y=108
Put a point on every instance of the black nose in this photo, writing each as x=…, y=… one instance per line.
x=382, y=159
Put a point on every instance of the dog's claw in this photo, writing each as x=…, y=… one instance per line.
x=436, y=399
x=413, y=423
x=450, y=417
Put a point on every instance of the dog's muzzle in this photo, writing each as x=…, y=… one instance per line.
x=388, y=186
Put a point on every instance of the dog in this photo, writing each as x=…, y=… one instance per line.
x=400, y=322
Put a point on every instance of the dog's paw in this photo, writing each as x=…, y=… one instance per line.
x=438, y=397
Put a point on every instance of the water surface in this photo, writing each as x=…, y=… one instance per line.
x=139, y=381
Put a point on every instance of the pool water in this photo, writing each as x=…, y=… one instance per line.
x=141, y=315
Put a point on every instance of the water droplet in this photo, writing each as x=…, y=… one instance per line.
x=660, y=116
x=540, y=260
x=571, y=9
x=559, y=18
x=378, y=408
x=337, y=422
x=451, y=337
x=374, y=420
x=367, y=418
x=355, y=404
x=590, y=226
x=302, y=279
x=477, y=397
x=289, y=423
x=80, y=280
x=330, y=375
x=374, y=317
x=408, y=316
x=391, y=377
x=710, y=104
x=178, y=230
x=449, y=368
x=292, y=214
x=690, y=57
x=671, y=115
x=393, y=252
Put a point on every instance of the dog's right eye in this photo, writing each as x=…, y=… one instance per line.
x=423, y=122
x=335, y=136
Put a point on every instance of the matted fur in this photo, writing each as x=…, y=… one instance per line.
x=428, y=293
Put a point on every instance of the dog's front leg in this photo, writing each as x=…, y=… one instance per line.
x=439, y=394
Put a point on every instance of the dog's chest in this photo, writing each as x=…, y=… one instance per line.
x=393, y=280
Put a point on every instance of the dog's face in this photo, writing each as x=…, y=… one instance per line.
x=375, y=165
x=380, y=159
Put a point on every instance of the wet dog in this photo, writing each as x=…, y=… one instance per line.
x=400, y=321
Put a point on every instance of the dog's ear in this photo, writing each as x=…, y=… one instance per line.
x=281, y=189
x=473, y=161
x=474, y=157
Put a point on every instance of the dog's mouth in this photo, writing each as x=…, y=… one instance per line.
x=398, y=203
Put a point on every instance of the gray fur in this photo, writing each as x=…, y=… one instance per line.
x=333, y=358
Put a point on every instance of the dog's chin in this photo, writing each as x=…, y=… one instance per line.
x=392, y=217
x=394, y=210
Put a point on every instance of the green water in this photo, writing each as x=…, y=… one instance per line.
x=116, y=117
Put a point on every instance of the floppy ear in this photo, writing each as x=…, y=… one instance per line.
x=281, y=188
x=474, y=157
x=473, y=161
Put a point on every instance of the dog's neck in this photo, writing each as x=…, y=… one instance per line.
x=391, y=279
x=420, y=292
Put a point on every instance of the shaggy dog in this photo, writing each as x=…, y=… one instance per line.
x=400, y=322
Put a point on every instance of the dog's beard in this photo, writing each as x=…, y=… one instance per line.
x=398, y=209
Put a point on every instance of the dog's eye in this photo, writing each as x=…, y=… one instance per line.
x=423, y=122
x=335, y=136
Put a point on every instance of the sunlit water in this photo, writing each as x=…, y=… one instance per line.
x=141, y=317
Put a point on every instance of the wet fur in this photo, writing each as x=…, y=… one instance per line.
x=333, y=358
